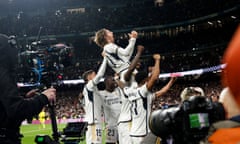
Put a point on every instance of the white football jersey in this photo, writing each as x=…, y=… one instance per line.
x=111, y=105
x=92, y=101
x=93, y=104
x=125, y=115
x=117, y=57
x=141, y=100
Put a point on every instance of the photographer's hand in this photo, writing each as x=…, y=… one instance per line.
x=32, y=93
x=51, y=94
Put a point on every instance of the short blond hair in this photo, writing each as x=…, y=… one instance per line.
x=100, y=39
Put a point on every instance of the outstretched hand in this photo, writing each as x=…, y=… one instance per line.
x=51, y=94
x=157, y=56
x=133, y=34
x=103, y=54
x=32, y=93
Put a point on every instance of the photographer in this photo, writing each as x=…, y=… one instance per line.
x=228, y=131
x=189, y=122
x=14, y=108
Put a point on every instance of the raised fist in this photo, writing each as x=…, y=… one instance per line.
x=133, y=34
x=157, y=56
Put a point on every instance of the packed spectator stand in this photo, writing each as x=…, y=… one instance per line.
x=183, y=45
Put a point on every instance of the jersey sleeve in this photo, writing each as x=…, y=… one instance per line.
x=126, y=91
x=110, y=48
x=131, y=93
x=143, y=91
x=115, y=49
x=100, y=72
x=90, y=85
x=100, y=94
x=129, y=49
x=121, y=92
x=152, y=96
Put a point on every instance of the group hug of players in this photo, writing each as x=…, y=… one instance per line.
x=127, y=97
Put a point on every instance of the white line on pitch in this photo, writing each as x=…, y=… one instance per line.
x=36, y=130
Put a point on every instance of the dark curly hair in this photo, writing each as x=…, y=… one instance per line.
x=140, y=77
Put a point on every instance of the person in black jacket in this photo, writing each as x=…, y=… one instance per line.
x=14, y=108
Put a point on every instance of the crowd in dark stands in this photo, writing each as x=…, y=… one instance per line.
x=170, y=63
x=135, y=14
x=70, y=104
x=184, y=51
x=185, y=57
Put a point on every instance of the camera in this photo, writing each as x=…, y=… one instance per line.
x=187, y=123
x=73, y=133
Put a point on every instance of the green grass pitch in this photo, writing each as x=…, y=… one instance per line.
x=30, y=131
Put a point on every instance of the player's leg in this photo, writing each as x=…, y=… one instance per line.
x=137, y=140
x=89, y=135
x=43, y=124
x=124, y=133
x=98, y=134
x=94, y=134
x=111, y=135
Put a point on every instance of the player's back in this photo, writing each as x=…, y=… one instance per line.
x=141, y=101
x=92, y=105
x=125, y=115
x=115, y=60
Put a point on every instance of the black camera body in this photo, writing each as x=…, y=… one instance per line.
x=73, y=133
x=187, y=123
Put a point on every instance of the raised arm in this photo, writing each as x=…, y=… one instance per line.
x=155, y=72
x=166, y=87
x=130, y=47
x=101, y=71
x=134, y=63
x=120, y=83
